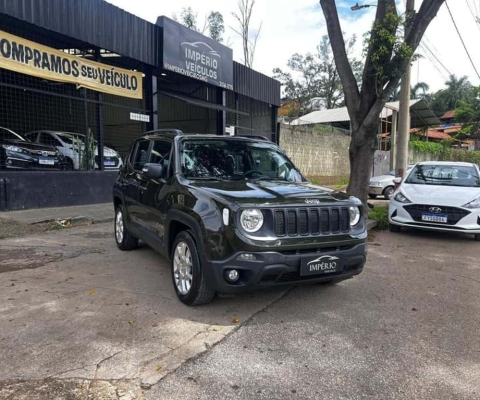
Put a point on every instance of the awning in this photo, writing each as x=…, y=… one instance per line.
x=420, y=113
x=199, y=102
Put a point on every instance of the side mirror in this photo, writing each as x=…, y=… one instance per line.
x=153, y=171
x=397, y=181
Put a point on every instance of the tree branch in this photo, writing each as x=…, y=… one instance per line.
x=425, y=15
x=350, y=86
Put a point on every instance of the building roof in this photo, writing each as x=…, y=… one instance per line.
x=448, y=115
x=420, y=112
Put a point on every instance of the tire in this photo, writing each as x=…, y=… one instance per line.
x=194, y=291
x=372, y=196
x=124, y=239
x=388, y=192
x=477, y=238
x=394, y=228
x=69, y=165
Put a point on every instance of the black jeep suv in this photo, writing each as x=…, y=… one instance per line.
x=234, y=214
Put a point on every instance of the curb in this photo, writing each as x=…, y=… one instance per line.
x=371, y=224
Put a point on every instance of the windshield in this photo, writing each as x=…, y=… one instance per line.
x=444, y=175
x=235, y=160
x=7, y=134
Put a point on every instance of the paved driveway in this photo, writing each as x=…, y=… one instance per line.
x=76, y=310
x=79, y=319
x=407, y=328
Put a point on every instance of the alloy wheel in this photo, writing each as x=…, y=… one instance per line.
x=119, y=226
x=182, y=268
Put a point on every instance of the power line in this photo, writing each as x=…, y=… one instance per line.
x=460, y=36
x=475, y=18
x=434, y=64
x=424, y=46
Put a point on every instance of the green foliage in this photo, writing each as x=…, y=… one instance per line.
x=379, y=214
x=458, y=91
x=87, y=156
x=213, y=26
x=385, y=43
x=426, y=147
x=315, y=75
x=326, y=129
x=461, y=155
x=469, y=115
x=445, y=152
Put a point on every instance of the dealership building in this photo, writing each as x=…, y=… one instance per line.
x=86, y=67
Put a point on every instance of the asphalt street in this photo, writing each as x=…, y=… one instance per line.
x=81, y=320
x=407, y=328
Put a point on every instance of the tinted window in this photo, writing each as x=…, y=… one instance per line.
x=141, y=154
x=49, y=140
x=161, y=152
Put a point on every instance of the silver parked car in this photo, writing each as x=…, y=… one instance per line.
x=383, y=185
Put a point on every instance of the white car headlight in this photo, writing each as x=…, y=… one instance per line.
x=473, y=204
x=251, y=220
x=376, y=184
x=354, y=215
x=12, y=148
x=401, y=198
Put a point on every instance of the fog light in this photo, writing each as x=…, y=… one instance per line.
x=232, y=275
x=246, y=257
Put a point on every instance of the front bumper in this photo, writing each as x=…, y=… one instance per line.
x=375, y=190
x=273, y=268
x=14, y=160
x=397, y=215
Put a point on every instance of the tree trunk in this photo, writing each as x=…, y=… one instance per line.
x=361, y=156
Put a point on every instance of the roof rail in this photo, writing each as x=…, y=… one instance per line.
x=264, y=138
x=171, y=131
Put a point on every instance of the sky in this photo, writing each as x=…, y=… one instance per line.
x=296, y=26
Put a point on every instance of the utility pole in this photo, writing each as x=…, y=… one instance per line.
x=401, y=147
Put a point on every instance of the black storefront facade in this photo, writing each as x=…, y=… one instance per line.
x=186, y=82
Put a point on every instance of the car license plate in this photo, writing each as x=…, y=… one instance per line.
x=320, y=265
x=435, y=218
x=109, y=163
x=46, y=161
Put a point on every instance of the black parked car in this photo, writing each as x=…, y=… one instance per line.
x=234, y=214
x=18, y=153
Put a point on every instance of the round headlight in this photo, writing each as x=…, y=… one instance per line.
x=354, y=215
x=251, y=220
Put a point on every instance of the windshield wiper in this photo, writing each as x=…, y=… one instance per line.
x=268, y=178
x=205, y=178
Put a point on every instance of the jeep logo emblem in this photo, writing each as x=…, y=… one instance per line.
x=435, y=210
x=312, y=201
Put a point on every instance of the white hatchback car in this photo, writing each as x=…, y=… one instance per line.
x=442, y=196
x=72, y=145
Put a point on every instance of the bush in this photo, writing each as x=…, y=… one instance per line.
x=379, y=214
x=426, y=147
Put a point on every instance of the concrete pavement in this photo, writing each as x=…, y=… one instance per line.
x=407, y=328
x=96, y=213
x=76, y=312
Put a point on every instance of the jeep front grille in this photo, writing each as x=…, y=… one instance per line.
x=311, y=221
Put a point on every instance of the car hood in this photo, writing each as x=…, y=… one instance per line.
x=454, y=196
x=29, y=145
x=382, y=178
x=261, y=193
